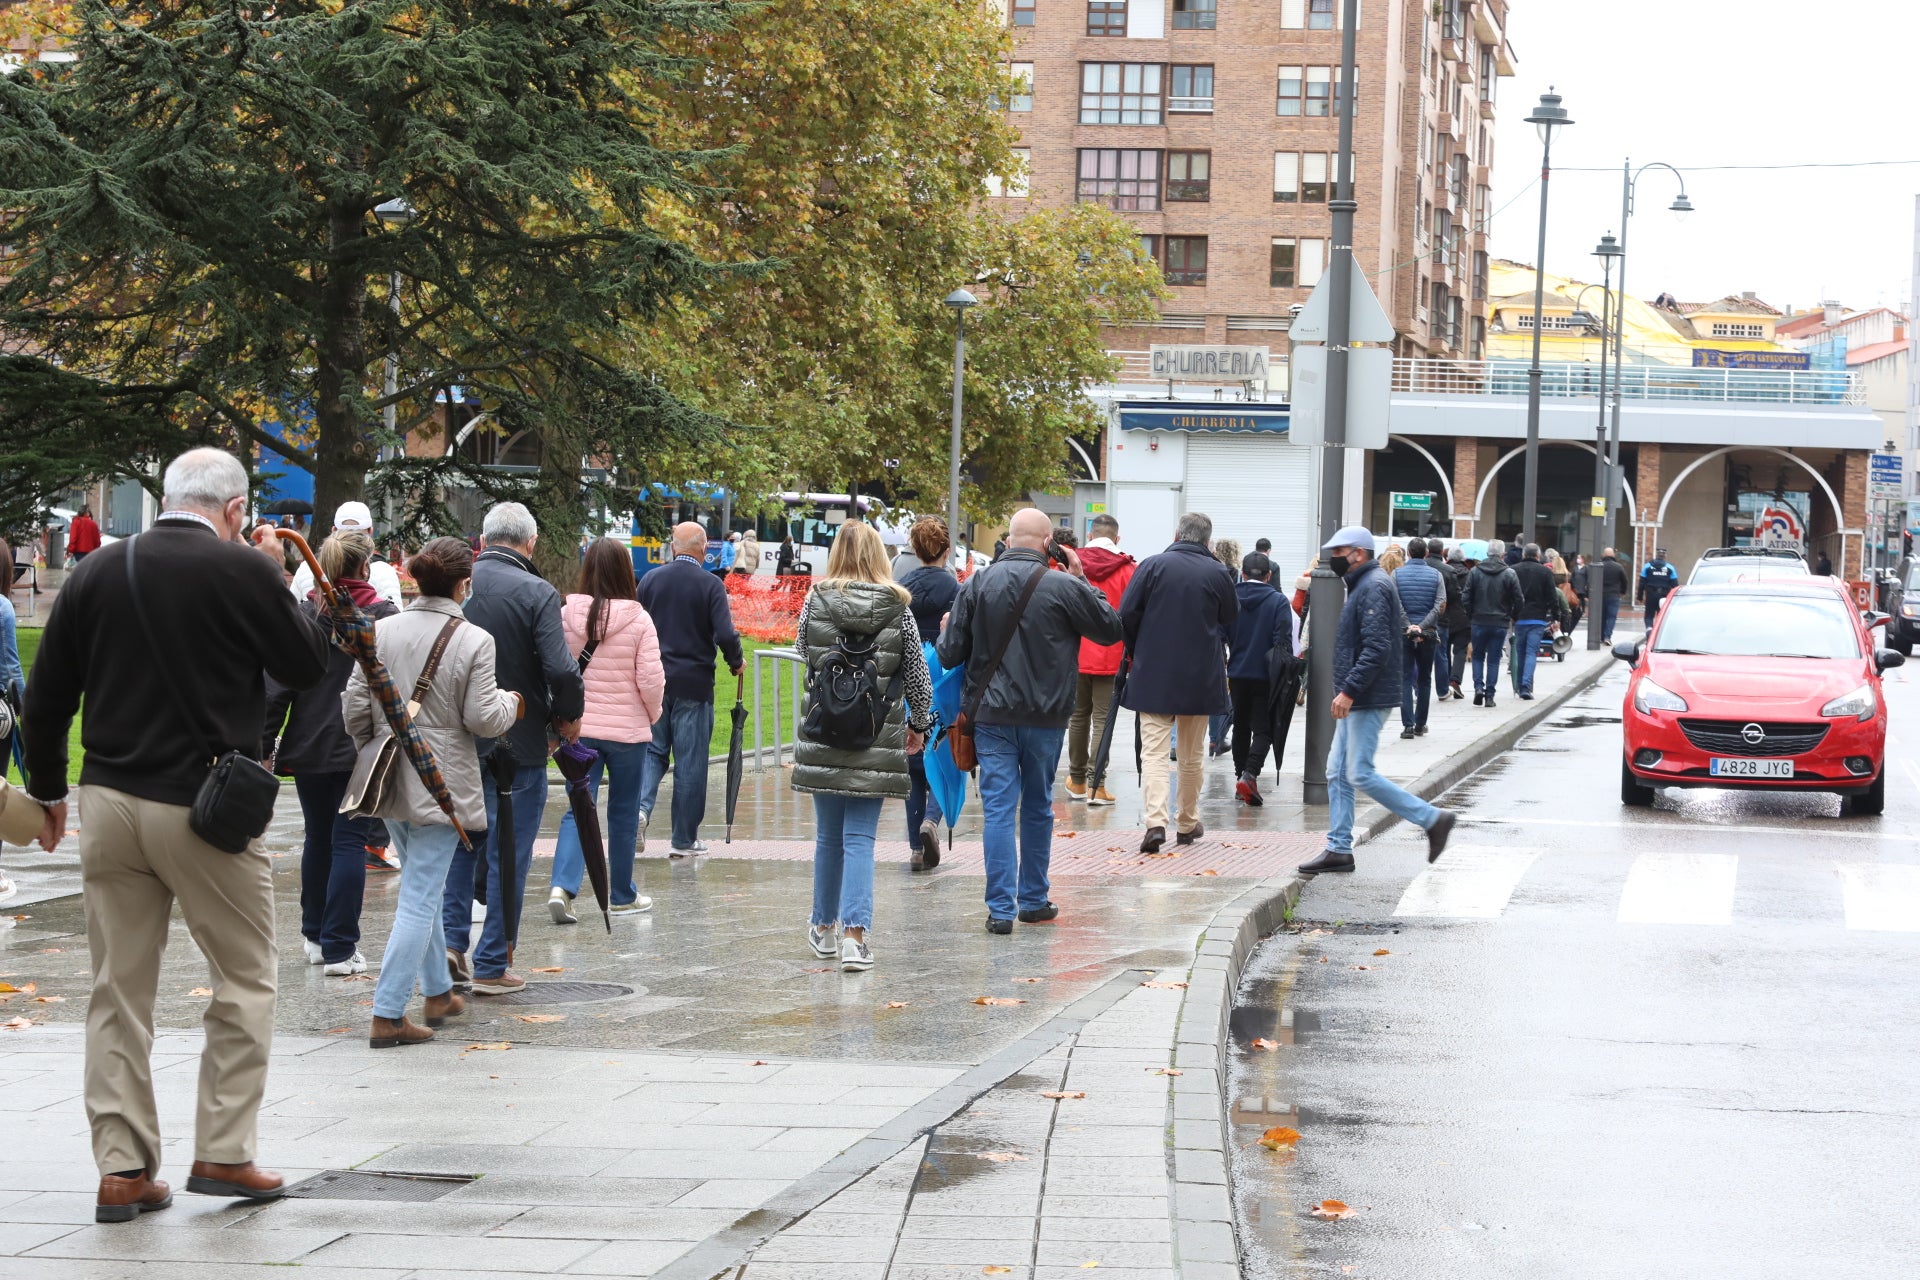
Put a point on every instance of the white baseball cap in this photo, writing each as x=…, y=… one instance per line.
x=352, y=515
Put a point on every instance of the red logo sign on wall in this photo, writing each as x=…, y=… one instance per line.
x=1777, y=523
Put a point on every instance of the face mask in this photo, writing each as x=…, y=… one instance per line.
x=1339, y=565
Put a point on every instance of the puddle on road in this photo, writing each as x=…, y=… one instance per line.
x=1261, y=1019
x=1582, y=722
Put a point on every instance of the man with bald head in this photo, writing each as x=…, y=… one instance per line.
x=1018, y=626
x=690, y=612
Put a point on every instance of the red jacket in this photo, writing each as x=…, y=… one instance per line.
x=1110, y=571
x=83, y=535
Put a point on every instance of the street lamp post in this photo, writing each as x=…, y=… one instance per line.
x=959, y=300
x=1607, y=250
x=1548, y=117
x=395, y=214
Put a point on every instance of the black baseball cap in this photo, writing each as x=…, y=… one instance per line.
x=1255, y=565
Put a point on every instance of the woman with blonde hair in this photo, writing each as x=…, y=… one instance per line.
x=1392, y=558
x=869, y=703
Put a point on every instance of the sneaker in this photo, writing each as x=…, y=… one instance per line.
x=855, y=955
x=499, y=985
x=646, y=815
x=926, y=850
x=312, y=949
x=1407, y=732
x=1248, y=789
x=357, y=963
x=1039, y=915
x=687, y=851
x=1420, y=731
x=1076, y=790
x=1455, y=693
x=560, y=906
x=634, y=908
x=821, y=939
x=1101, y=797
x=458, y=969
x=996, y=924
x=1479, y=699
x=379, y=859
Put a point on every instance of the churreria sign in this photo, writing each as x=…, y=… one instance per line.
x=1210, y=364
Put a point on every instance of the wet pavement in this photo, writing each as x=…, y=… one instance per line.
x=1596, y=1042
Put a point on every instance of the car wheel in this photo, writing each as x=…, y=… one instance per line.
x=1872, y=802
x=1903, y=646
x=1633, y=793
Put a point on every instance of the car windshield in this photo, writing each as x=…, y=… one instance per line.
x=1734, y=570
x=1757, y=626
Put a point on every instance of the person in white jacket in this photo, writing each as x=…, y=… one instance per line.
x=613, y=638
x=354, y=517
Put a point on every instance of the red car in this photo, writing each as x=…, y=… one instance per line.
x=1763, y=685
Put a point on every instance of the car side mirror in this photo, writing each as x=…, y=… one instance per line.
x=1628, y=651
x=1883, y=659
x=1875, y=618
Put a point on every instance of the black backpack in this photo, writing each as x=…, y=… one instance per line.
x=845, y=707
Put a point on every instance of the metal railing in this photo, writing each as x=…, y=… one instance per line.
x=767, y=712
x=1563, y=381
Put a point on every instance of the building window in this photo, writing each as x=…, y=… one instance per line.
x=1460, y=181
x=1548, y=324
x=1014, y=185
x=1442, y=237
x=1313, y=177
x=1194, y=15
x=1292, y=90
x=1106, y=17
x=1455, y=322
x=1437, y=314
x=1295, y=263
x=1486, y=74
x=1480, y=275
x=1023, y=95
x=1477, y=350
x=1308, y=93
x=1293, y=14
x=1190, y=175
x=1319, y=15
x=1186, y=260
x=1300, y=178
x=1192, y=89
x=1023, y=12
x=1721, y=329
x=1125, y=180
x=1150, y=248
x=1120, y=92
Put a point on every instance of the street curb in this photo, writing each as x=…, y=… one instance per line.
x=1206, y=1226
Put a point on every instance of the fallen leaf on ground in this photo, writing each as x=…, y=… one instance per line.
x=1002, y=1157
x=52, y=951
x=23, y=917
x=1166, y=986
x=1062, y=1093
x=551, y=969
x=1363, y=967
x=1332, y=1210
x=1264, y=1043
x=15, y=1024
x=757, y=1062
x=1065, y=835
x=1029, y=979
x=1279, y=1139
x=896, y=1004
x=1323, y=959
x=996, y=1271
x=1383, y=952
x=49, y=999
x=1318, y=933
x=1209, y=873
x=1166, y=1071
x=997, y=1000
x=7, y=988
x=540, y=1017
x=201, y=991
x=826, y=969
x=499, y=1045
x=1170, y=853
x=337, y=1031
x=1090, y=1262
x=357, y=977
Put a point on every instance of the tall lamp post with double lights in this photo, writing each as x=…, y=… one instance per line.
x=394, y=215
x=1607, y=251
x=959, y=300
x=1548, y=118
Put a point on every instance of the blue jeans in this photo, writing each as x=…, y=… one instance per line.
x=844, y=828
x=333, y=865
x=529, y=806
x=623, y=762
x=1609, y=614
x=417, y=947
x=1487, y=643
x=922, y=804
x=1217, y=726
x=1350, y=766
x=1442, y=668
x=685, y=731
x=1526, y=637
x=1017, y=764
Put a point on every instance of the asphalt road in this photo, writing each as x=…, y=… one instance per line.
x=1682, y=1042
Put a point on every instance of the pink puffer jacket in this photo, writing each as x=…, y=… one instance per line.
x=625, y=682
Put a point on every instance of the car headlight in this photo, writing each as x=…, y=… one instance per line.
x=1648, y=696
x=1910, y=611
x=1859, y=704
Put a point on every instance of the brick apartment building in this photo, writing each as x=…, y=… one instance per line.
x=1212, y=125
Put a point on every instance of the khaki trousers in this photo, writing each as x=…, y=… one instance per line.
x=137, y=857
x=1156, y=748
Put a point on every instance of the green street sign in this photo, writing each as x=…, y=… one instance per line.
x=1412, y=502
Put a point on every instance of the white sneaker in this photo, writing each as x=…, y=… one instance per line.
x=646, y=816
x=313, y=952
x=821, y=939
x=698, y=846
x=634, y=908
x=560, y=906
x=7, y=888
x=855, y=955
x=346, y=968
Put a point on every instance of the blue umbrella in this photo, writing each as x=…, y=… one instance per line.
x=944, y=780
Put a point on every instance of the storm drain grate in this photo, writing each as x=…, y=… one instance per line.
x=344, y=1184
x=558, y=993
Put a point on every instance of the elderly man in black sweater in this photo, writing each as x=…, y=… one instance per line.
x=161, y=702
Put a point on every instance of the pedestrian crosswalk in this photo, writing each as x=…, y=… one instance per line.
x=1481, y=882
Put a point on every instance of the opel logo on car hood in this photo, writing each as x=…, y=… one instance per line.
x=1753, y=735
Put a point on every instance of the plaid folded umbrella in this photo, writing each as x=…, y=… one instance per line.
x=353, y=632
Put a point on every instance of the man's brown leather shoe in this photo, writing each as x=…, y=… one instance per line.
x=247, y=1181
x=389, y=1032
x=439, y=1008
x=124, y=1199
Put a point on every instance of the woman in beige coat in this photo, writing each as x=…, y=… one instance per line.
x=463, y=703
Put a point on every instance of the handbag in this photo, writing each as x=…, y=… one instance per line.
x=960, y=733
x=376, y=770
x=235, y=801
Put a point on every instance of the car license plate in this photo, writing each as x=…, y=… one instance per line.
x=1729, y=767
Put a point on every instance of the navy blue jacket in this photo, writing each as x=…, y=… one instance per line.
x=933, y=588
x=1265, y=623
x=1367, y=648
x=1423, y=592
x=511, y=602
x=1176, y=613
x=692, y=617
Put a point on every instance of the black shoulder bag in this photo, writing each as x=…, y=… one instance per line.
x=235, y=803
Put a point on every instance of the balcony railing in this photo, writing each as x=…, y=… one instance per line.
x=1565, y=381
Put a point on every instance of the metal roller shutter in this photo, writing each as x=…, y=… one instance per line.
x=1255, y=487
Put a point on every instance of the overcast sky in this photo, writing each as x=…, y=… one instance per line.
x=1720, y=82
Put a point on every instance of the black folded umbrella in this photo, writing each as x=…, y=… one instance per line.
x=576, y=766
x=735, y=765
x=1284, y=674
x=501, y=761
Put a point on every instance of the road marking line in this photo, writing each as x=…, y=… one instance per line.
x=1680, y=888
x=1691, y=829
x=1913, y=771
x=1470, y=882
x=1881, y=896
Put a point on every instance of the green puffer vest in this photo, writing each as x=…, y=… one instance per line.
x=863, y=609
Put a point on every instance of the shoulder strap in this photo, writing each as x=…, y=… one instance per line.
x=1013, y=625
x=424, y=684
x=172, y=684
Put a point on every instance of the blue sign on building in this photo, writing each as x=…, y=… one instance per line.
x=1787, y=360
x=1163, y=416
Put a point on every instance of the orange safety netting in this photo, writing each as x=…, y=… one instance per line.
x=765, y=608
